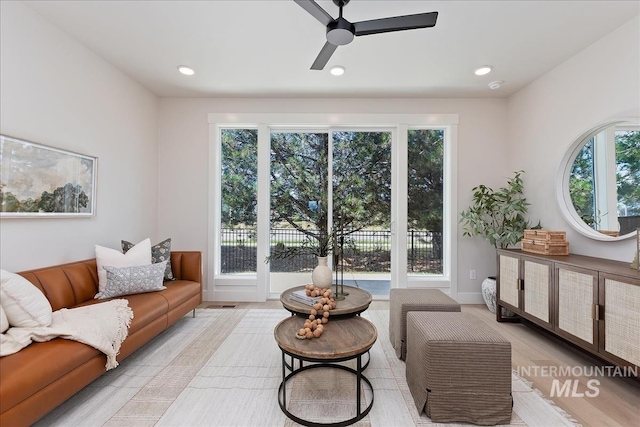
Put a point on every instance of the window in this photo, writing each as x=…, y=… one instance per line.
x=306, y=210
x=238, y=214
x=361, y=199
x=390, y=190
x=425, y=181
x=299, y=197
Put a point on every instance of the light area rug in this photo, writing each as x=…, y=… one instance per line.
x=223, y=368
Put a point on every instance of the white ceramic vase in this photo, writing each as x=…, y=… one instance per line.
x=489, y=293
x=322, y=276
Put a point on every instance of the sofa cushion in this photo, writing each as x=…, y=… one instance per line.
x=4, y=322
x=24, y=305
x=133, y=280
x=38, y=365
x=140, y=254
x=146, y=308
x=159, y=252
x=179, y=291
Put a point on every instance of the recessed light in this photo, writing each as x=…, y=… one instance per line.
x=186, y=70
x=338, y=70
x=485, y=69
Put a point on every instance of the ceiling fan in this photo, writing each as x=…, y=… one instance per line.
x=341, y=32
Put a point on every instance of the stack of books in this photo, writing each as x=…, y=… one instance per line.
x=301, y=296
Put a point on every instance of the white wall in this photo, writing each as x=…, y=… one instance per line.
x=601, y=82
x=184, y=153
x=56, y=92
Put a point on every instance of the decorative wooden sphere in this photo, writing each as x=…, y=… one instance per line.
x=319, y=314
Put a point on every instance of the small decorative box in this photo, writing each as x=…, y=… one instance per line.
x=545, y=248
x=546, y=235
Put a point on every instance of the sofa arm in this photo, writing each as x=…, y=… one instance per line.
x=187, y=265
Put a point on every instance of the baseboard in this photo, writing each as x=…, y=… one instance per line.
x=470, y=298
x=249, y=296
x=235, y=295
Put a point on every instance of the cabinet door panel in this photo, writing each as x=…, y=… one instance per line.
x=509, y=279
x=621, y=319
x=576, y=297
x=537, y=289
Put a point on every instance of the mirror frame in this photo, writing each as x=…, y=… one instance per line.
x=562, y=183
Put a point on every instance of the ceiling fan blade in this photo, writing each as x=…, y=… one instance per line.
x=316, y=11
x=396, y=23
x=324, y=56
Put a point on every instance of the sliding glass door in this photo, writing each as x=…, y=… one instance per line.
x=362, y=207
x=306, y=211
x=381, y=192
x=299, y=219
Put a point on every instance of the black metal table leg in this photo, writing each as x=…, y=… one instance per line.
x=360, y=377
x=358, y=383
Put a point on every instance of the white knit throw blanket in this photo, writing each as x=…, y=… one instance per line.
x=103, y=326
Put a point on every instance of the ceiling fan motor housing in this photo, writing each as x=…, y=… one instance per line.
x=340, y=32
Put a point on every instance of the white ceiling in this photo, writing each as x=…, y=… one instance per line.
x=264, y=48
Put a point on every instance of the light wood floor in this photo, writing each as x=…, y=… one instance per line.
x=618, y=401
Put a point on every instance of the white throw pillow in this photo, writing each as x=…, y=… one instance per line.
x=23, y=303
x=140, y=254
x=4, y=322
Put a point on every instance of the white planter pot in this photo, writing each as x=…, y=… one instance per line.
x=322, y=276
x=489, y=293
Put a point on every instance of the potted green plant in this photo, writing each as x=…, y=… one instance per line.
x=500, y=217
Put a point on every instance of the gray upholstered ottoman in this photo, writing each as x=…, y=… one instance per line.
x=402, y=301
x=458, y=368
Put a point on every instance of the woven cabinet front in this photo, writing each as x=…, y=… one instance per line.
x=622, y=320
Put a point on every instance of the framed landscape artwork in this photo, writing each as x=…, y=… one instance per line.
x=37, y=181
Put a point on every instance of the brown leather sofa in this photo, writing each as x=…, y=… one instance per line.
x=43, y=375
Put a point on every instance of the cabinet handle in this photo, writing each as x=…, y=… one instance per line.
x=595, y=311
x=521, y=284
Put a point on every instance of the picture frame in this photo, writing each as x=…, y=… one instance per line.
x=38, y=181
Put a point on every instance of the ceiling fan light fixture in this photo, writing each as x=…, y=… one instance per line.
x=338, y=70
x=484, y=70
x=187, y=71
x=340, y=32
x=340, y=37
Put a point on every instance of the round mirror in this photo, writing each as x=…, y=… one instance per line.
x=599, y=181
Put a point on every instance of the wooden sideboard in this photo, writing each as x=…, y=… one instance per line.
x=593, y=303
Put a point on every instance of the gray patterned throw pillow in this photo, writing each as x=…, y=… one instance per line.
x=133, y=280
x=160, y=252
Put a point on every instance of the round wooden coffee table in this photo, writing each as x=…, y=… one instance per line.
x=343, y=339
x=356, y=302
